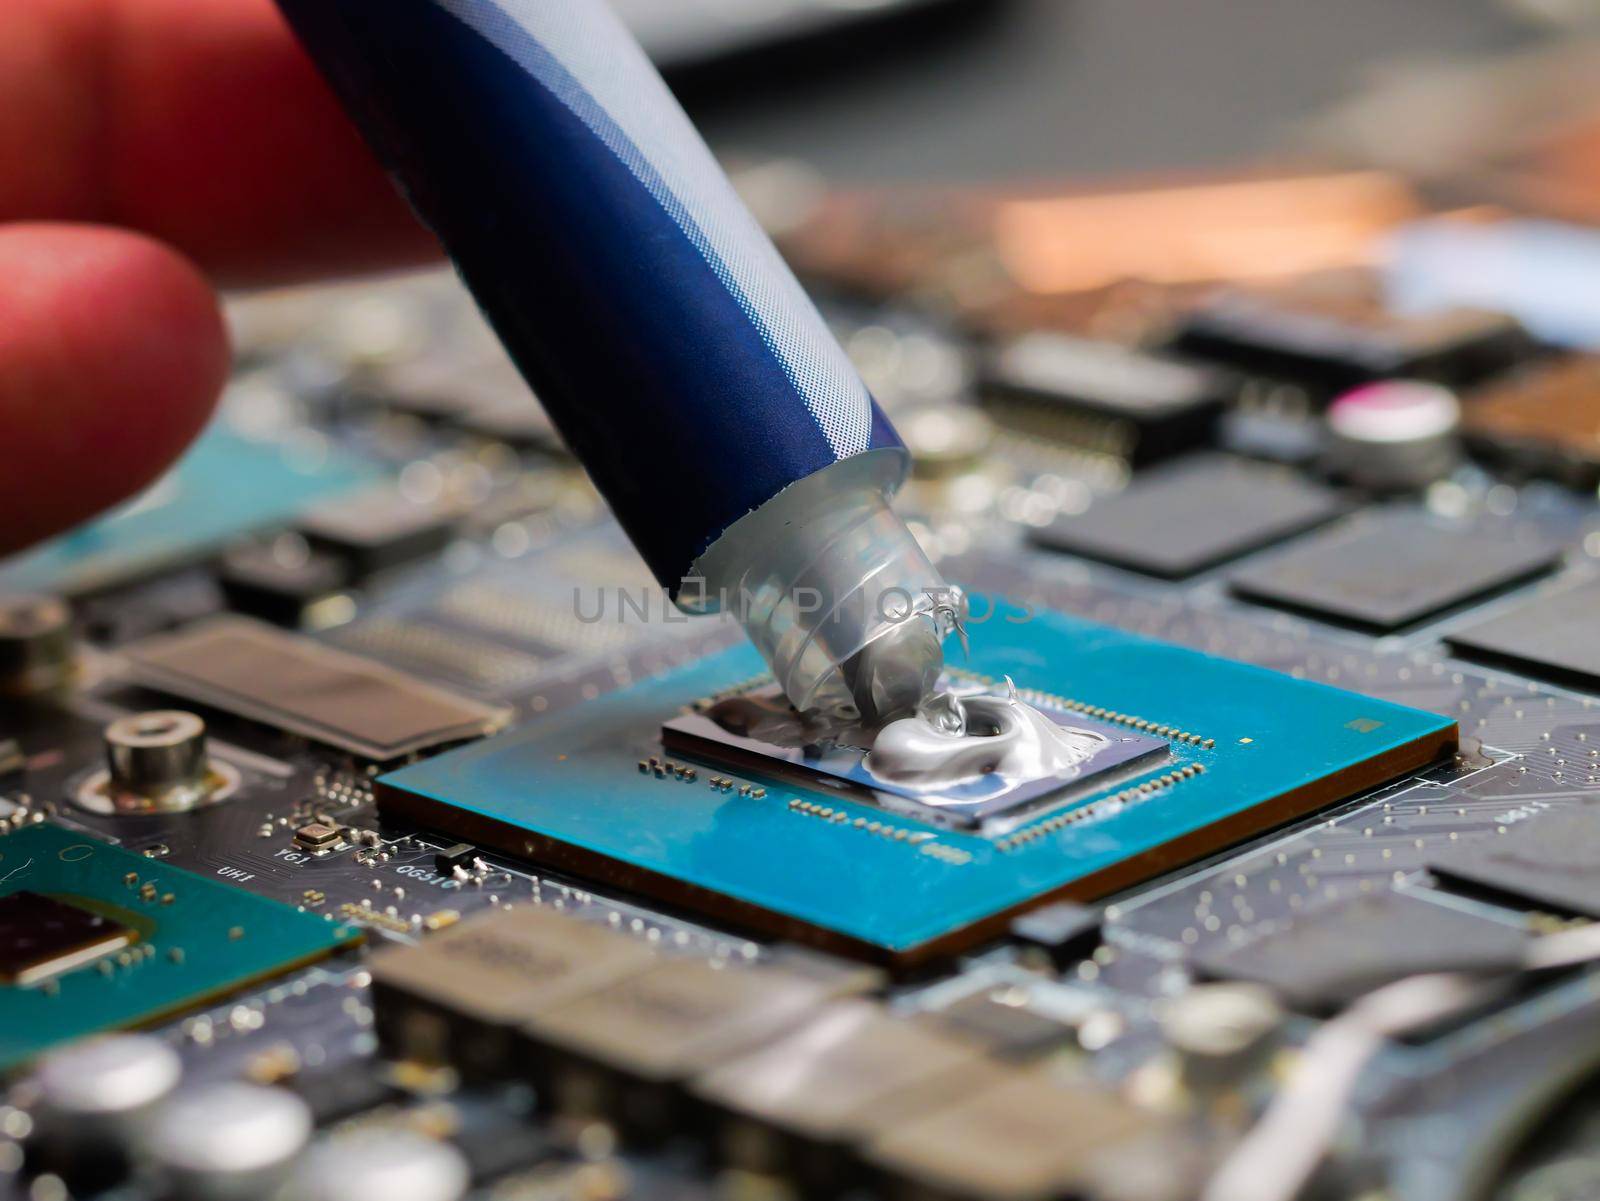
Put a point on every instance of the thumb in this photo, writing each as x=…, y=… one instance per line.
x=112, y=353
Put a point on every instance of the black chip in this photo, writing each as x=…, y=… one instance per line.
x=377, y=529
x=1391, y=569
x=1329, y=345
x=1133, y=403
x=42, y=937
x=1556, y=635
x=1551, y=861
x=1194, y=514
x=1065, y=931
x=279, y=580
x=1328, y=958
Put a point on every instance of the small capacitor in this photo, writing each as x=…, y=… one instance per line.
x=1395, y=435
x=228, y=1142
x=1222, y=1033
x=396, y=1165
x=38, y=649
x=94, y=1099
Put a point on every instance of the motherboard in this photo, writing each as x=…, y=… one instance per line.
x=371, y=824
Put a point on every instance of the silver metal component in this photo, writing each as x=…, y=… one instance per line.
x=157, y=763
x=1398, y=434
x=38, y=651
x=395, y=1165
x=107, y=1078
x=94, y=1099
x=1223, y=1033
x=228, y=1142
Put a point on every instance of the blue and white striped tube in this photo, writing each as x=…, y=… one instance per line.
x=677, y=354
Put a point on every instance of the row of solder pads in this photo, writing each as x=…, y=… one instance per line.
x=786, y=1067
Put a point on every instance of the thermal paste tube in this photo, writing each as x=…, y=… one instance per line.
x=675, y=351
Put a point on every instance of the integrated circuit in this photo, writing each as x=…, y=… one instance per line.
x=1389, y=569
x=1135, y=404
x=94, y=938
x=1549, y=861
x=814, y=861
x=1331, y=339
x=1191, y=515
x=1542, y=421
x=255, y=671
x=1322, y=961
x=1555, y=635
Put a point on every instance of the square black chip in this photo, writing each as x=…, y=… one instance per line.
x=1194, y=514
x=1555, y=635
x=1391, y=569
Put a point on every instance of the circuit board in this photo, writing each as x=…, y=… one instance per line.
x=465, y=885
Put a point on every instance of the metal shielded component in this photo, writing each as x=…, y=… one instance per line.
x=258, y=672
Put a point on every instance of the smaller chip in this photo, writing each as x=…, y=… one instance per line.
x=1194, y=514
x=456, y=997
x=1328, y=958
x=1329, y=340
x=257, y=672
x=1136, y=404
x=1550, y=861
x=281, y=580
x=1392, y=569
x=1555, y=635
x=1544, y=421
x=1065, y=931
x=41, y=937
x=377, y=529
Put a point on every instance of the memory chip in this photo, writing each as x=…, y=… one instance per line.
x=254, y=671
x=377, y=529
x=1555, y=635
x=1136, y=404
x=96, y=938
x=1542, y=421
x=42, y=937
x=1329, y=340
x=457, y=997
x=1550, y=861
x=1329, y=957
x=1194, y=514
x=1386, y=570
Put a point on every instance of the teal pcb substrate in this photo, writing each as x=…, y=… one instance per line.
x=1249, y=749
x=189, y=939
